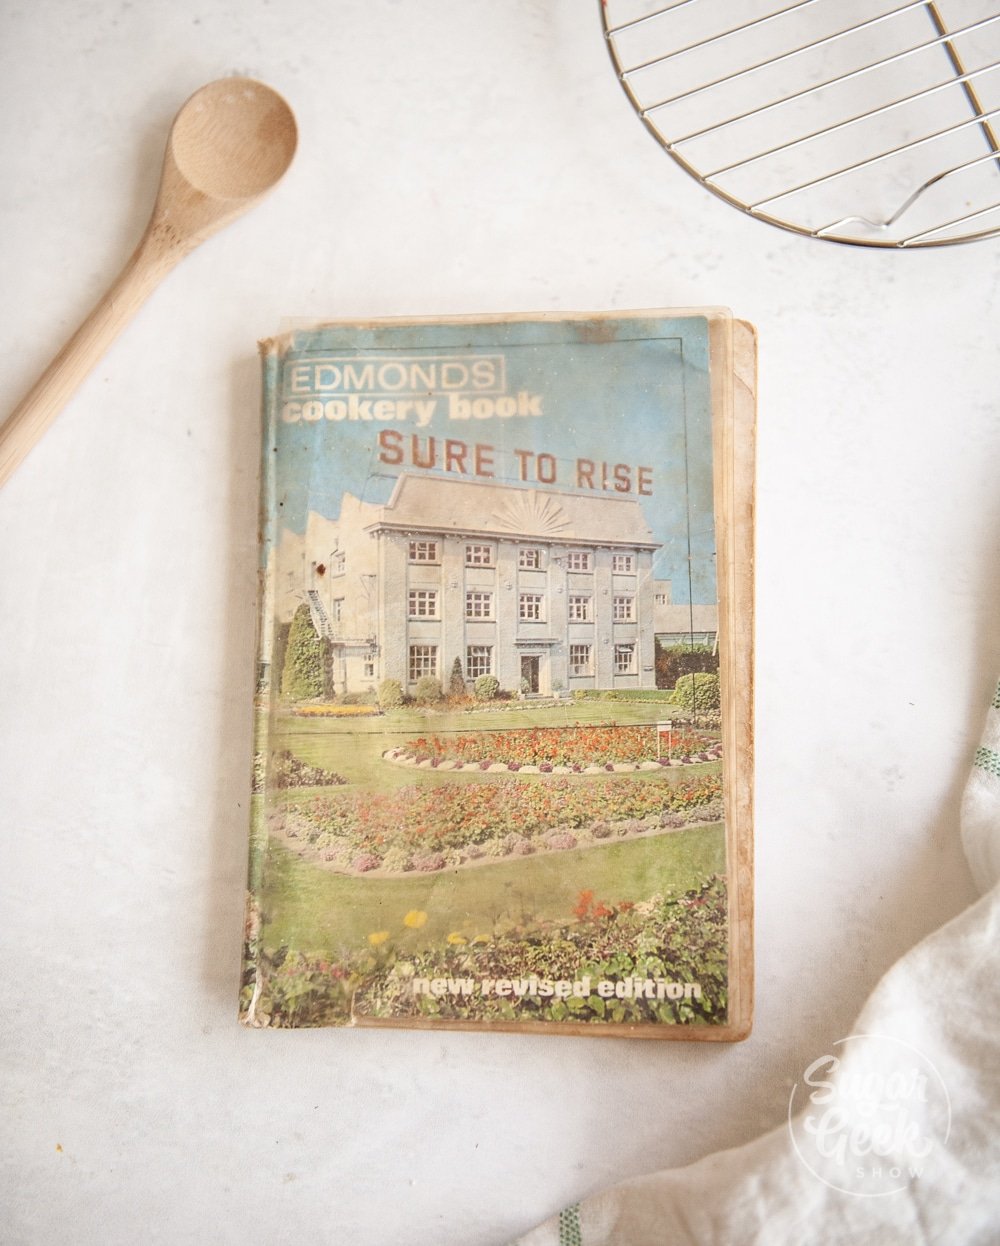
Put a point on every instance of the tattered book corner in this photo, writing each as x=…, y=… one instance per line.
x=503, y=747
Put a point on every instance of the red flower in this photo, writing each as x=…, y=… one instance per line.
x=583, y=903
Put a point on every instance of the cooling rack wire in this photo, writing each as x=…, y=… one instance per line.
x=855, y=121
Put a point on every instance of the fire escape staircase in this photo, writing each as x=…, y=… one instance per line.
x=320, y=619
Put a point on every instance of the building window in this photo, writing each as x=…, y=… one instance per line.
x=423, y=551
x=529, y=559
x=579, y=660
x=623, y=609
x=369, y=669
x=578, y=609
x=423, y=603
x=530, y=607
x=339, y=563
x=423, y=661
x=479, y=555
x=338, y=609
x=478, y=661
x=578, y=561
x=661, y=599
x=623, y=562
x=624, y=659
x=479, y=605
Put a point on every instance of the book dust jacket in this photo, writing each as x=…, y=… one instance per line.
x=503, y=739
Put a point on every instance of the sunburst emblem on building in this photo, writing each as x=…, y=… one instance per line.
x=532, y=513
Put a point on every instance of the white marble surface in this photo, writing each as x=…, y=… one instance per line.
x=456, y=156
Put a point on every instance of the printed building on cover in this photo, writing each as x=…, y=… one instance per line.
x=545, y=591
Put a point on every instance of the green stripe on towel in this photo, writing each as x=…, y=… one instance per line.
x=989, y=760
x=570, y=1233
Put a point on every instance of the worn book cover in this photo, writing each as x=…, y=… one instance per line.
x=503, y=739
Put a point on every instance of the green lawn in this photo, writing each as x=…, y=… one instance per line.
x=315, y=910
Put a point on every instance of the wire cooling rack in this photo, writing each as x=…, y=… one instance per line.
x=868, y=122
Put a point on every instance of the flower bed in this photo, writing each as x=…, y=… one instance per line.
x=682, y=940
x=287, y=770
x=334, y=711
x=452, y=824
x=560, y=750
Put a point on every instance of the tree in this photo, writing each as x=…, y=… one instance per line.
x=456, y=684
x=302, y=673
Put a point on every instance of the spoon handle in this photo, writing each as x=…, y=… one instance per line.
x=148, y=265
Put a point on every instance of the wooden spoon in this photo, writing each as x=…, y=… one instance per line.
x=229, y=144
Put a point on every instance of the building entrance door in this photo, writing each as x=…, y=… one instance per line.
x=529, y=672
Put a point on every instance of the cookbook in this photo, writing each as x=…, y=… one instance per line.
x=503, y=742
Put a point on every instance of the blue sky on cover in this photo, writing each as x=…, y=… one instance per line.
x=633, y=391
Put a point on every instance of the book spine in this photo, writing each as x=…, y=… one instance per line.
x=266, y=680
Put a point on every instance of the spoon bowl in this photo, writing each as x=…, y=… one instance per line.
x=229, y=145
x=233, y=139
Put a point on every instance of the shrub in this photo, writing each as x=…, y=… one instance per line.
x=428, y=689
x=487, y=687
x=397, y=860
x=278, y=651
x=302, y=672
x=698, y=693
x=429, y=864
x=287, y=770
x=329, y=679
x=390, y=694
x=673, y=661
x=365, y=862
